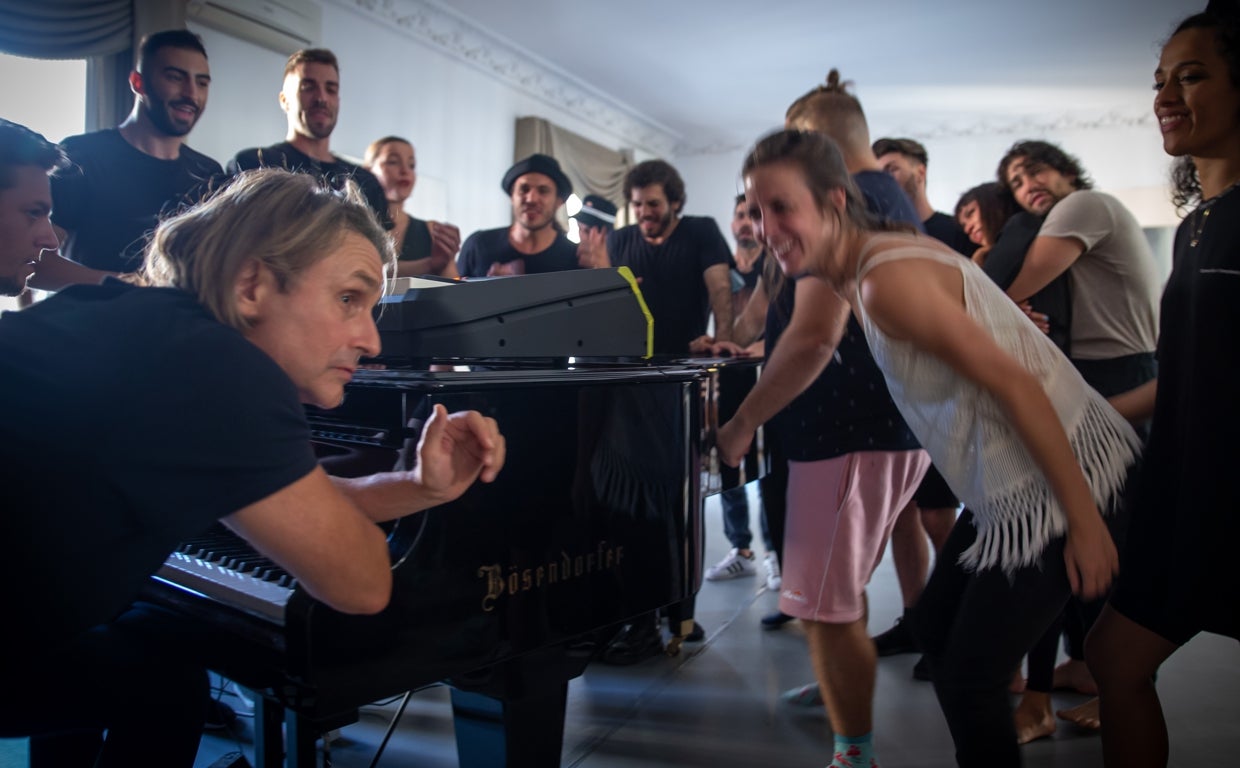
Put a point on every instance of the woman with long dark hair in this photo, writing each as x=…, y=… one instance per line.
x=1179, y=574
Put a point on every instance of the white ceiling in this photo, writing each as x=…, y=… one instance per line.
x=715, y=74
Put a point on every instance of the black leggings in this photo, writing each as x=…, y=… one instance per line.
x=974, y=628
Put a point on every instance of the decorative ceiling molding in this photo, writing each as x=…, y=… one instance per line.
x=428, y=22
x=963, y=127
x=1028, y=125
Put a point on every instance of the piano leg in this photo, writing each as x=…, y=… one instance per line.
x=525, y=731
x=268, y=733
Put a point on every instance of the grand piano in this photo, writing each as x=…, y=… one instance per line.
x=507, y=593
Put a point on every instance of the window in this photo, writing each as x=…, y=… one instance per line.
x=571, y=206
x=44, y=95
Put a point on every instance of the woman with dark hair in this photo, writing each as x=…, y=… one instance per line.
x=1179, y=574
x=983, y=210
x=1002, y=413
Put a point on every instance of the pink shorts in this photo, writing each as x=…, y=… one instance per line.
x=840, y=515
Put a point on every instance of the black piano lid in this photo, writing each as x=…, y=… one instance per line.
x=593, y=312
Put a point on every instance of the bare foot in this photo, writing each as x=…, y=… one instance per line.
x=1073, y=675
x=1018, y=683
x=1033, y=718
x=1085, y=716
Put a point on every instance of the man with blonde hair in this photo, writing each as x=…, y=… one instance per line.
x=150, y=413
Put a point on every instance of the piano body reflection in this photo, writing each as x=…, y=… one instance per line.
x=505, y=593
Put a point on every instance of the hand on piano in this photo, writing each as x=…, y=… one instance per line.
x=507, y=268
x=457, y=449
x=732, y=442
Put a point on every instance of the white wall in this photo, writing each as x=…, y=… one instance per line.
x=461, y=121
x=1126, y=161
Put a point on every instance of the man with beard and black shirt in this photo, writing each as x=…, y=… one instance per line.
x=310, y=99
x=681, y=262
x=532, y=243
x=110, y=197
x=906, y=160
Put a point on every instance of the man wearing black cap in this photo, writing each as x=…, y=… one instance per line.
x=532, y=243
x=595, y=221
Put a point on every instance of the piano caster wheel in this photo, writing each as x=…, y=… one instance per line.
x=672, y=648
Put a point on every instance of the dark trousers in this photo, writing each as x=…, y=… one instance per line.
x=137, y=677
x=773, y=489
x=974, y=628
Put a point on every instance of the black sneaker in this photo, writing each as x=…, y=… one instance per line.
x=895, y=641
x=697, y=634
x=633, y=643
x=921, y=670
x=775, y=620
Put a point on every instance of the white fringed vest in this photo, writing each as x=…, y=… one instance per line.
x=971, y=441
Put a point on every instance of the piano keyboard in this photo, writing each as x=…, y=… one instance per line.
x=229, y=571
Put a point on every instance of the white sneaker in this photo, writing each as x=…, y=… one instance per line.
x=732, y=566
x=773, y=579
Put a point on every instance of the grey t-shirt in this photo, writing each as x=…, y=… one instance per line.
x=1115, y=282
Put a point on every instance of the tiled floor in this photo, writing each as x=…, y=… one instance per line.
x=718, y=703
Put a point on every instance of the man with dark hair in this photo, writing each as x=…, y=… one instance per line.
x=680, y=261
x=747, y=264
x=1115, y=288
x=150, y=413
x=310, y=98
x=120, y=181
x=906, y=161
x=595, y=221
x=533, y=242
x=26, y=158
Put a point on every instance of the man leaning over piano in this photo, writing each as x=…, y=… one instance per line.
x=138, y=416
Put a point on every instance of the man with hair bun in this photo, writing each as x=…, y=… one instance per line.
x=853, y=463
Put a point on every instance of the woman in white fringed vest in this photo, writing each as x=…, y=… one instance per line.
x=1028, y=447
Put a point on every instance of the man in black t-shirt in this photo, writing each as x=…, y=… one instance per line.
x=533, y=242
x=149, y=413
x=310, y=99
x=906, y=161
x=119, y=182
x=681, y=262
x=26, y=158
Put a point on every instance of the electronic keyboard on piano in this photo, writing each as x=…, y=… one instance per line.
x=505, y=593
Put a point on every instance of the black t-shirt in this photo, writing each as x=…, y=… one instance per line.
x=417, y=242
x=847, y=408
x=671, y=275
x=112, y=195
x=135, y=421
x=886, y=198
x=948, y=231
x=490, y=246
x=749, y=279
x=1184, y=517
x=1004, y=261
x=285, y=155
